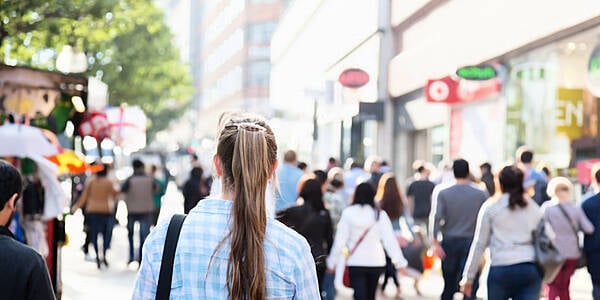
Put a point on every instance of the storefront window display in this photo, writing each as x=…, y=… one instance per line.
x=549, y=104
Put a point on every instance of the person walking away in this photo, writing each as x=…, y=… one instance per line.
x=505, y=225
x=535, y=181
x=419, y=197
x=138, y=189
x=24, y=272
x=353, y=177
x=194, y=189
x=313, y=222
x=389, y=200
x=161, y=190
x=566, y=220
x=591, y=242
x=488, y=178
x=373, y=167
x=288, y=175
x=455, y=216
x=364, y=225
x=98, y=199
x=228, y=247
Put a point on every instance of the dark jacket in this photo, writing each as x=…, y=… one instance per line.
x=313, y=225
x=591, y=243
x=194, y=190
x=24, y=272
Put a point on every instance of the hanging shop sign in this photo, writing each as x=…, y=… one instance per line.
x=451, y=91
x=593, y=72
x=482, y=72
x=354, y=78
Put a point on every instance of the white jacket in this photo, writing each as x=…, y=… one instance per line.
x=355, y=220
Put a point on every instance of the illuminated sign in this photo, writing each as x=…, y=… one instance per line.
x=483, y=72
x=593, y=72
x=354, y=78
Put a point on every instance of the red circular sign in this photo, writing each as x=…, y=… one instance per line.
x=354, y=78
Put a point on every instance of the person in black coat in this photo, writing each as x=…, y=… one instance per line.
x=313, y=222
x=24, y=272
x=194, y=189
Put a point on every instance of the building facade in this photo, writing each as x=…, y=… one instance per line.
x=315, y=42
x=233, y=54
x=544, y=95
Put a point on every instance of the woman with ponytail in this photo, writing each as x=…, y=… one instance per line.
x=228, y=247
x=505, y=225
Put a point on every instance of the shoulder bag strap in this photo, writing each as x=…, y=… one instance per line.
x=163, y=291
x=562, y=209
x=362, y=237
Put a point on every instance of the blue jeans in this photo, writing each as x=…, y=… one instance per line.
x=328, y=287
x=364, y=281
x=145, y=221
x=519, y=282
x=100, y=224
x=457, y=252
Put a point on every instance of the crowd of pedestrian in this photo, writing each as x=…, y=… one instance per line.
x=262, y=229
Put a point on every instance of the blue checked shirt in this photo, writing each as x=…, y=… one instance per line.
x=290, y=268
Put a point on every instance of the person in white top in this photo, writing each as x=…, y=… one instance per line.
x=367, y=262
x=505, y=225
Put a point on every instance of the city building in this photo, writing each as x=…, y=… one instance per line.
x=544, y=92
x=231, y=57
x=315, y=42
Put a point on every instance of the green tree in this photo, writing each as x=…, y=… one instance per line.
x=127, y=44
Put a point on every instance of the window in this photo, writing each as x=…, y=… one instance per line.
x=261, y=32
x=258, y=73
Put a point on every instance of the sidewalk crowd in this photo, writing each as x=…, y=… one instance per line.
x=263, y=228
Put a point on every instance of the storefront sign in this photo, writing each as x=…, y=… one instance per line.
x=483, y=72
x=450, y=91
x=569, y=112
x=354, y=78
x=593, y=72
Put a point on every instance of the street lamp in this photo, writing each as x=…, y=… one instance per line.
x=71, y=60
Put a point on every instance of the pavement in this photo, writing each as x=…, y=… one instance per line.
x=82, y=280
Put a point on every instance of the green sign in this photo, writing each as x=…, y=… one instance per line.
x=477, y=72
x=593, y=72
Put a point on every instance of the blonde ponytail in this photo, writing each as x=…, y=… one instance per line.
x=248, y=152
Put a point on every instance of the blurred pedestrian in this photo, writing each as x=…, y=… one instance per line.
x=353, y=177
x=161, y=189
x=303, y=167
x=99, y=197
x=373, y=168
x=419, y=196
x=591, y=242
x=139, y=189
x=454, y=214
x=488, y=178
x=566, y=220
x=505, y=226
x=334, y=202
x=389, y=200
x=228, y=248
x=194, y=189
x=535, y=181
x=338, y=175
x=313, y=222
x=332, y=163
x=368, y=232
x=288, y=176
x=24, y=271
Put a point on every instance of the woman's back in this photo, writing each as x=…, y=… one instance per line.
x=195, y=276
x=566, y=241
x=100, y=194
x=511, y=229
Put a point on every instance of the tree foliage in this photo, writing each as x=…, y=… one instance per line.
x=127, y=43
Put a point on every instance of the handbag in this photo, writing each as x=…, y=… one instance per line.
x=547, y=256
x=163, y=290
x=346, y=277
x=582, y=261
